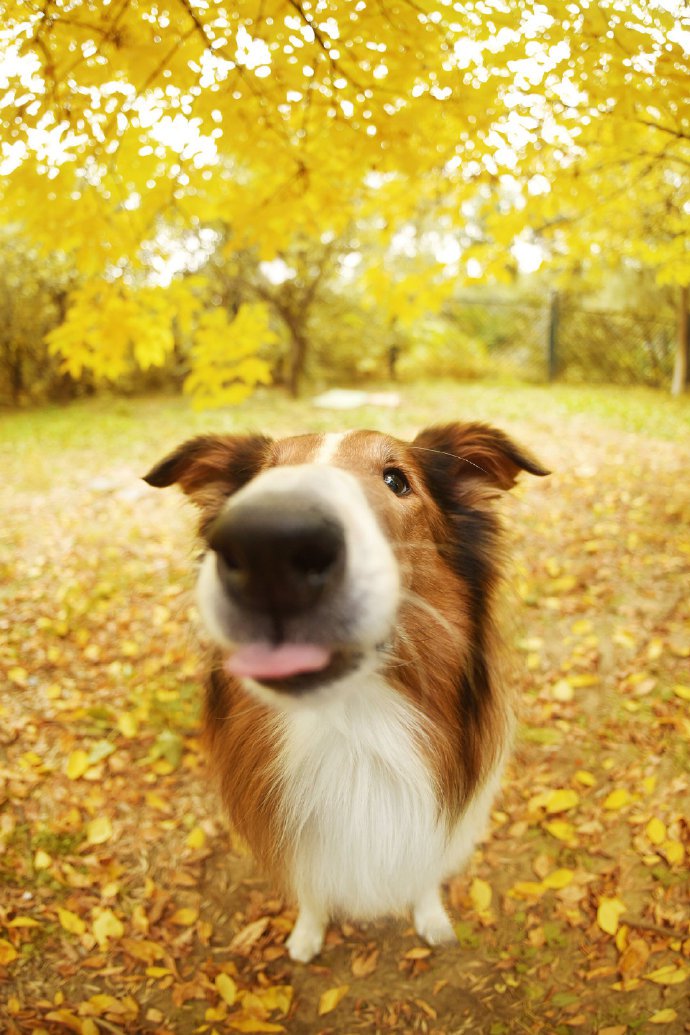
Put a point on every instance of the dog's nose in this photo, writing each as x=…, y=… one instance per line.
x=278, y=554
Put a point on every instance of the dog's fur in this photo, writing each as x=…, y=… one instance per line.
x=361, y=779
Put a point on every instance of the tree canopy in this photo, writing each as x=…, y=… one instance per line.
x=131, y=126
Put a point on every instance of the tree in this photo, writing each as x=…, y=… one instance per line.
x=294, y=118
x=33, y=296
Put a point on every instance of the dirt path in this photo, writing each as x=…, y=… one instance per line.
x=126, y=907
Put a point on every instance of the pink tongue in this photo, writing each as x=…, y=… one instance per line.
x=262, y=661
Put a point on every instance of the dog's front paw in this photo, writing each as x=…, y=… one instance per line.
x=306, y=940
x=431, y=921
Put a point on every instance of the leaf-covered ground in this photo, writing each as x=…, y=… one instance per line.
x=125, y=903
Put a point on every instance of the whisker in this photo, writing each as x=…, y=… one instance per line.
x=443, y=452
x=421, y=604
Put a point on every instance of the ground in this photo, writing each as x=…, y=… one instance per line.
x=125, y=903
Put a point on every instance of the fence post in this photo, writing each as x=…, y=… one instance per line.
x=681, y=373
x=552, y=338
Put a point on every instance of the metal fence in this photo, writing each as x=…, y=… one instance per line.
x=561, y=338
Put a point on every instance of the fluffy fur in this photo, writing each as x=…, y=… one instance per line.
x=362, y=785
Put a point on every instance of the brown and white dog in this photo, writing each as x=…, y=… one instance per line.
x=354, y=708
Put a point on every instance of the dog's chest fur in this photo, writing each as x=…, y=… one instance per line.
x=358, y=802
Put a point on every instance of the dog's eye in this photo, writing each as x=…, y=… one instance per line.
x=396, y=481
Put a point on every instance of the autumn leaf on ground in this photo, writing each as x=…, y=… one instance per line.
x=331, y=998
x=609, y=913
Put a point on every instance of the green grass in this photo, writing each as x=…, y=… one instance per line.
x=140, y=430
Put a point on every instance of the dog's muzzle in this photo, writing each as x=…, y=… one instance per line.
x=279, y=557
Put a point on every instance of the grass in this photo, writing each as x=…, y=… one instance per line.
x=139, y=430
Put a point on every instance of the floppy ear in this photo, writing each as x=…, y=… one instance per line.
x=225, y=461
x=474, y=453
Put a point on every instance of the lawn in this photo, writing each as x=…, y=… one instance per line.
x=126, y=905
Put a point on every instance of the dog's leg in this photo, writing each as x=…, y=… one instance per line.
x=307, y=936
x=431, y=920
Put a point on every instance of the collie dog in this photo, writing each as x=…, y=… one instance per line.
x=354, y=708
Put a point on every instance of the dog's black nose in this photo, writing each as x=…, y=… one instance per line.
x=278, y=554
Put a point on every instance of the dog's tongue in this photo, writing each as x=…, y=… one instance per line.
x=264, y=661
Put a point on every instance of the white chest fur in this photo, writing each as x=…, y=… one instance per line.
x=360, y=805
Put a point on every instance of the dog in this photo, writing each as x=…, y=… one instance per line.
x=355, y=710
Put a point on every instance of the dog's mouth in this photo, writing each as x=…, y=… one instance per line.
x=291, y=667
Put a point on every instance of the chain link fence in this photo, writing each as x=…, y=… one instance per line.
x=560, y=338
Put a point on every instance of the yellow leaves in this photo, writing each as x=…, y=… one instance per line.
x=668, y=975
x=185, y=917
x=106, y=926
x=666, y=1016
x=633, y=958
x=331, y=998
x=18, y=675
x=227, y=989
x=558, y=879
x=224, y=355
x=682, y=691
x=99, y=830
x=561, y=830
x=77, y=764
x=42, y=861
x=617, y=799
x=674, y=851
x=481, y=895
x=196, y=838
x=8, y=953
x=609, y=913
x=656, y=831
x=71, y=922
x=562, y=801
x=128, y=724
x=110, y=329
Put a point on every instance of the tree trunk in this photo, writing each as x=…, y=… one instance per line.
x=298, y=356
x=681, y=371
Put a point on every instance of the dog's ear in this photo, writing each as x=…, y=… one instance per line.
x=473, y=453
x=222, y=461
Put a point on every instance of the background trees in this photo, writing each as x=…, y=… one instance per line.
x=134, y=130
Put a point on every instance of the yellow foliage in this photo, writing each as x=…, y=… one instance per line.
x=224, y=355
x=278, y=128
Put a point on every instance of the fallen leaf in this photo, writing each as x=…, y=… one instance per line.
x=617, y=799
x=634, y=958
x=364, y=965
x=227, y=989
x=562, y=800
x=673, y=851
x=419, y=952
x=663, y=1016
x=480, y=894
x=70, y=921
x=185, y=917
x=656, y=831
x=99, y=830
x=245, y=939
x=330, y=999
x=77, y=764
x=248, y=1023
x=8, y=953
x=558, y=879
x=609, y=913
x=561, y=830
x=106, y=925
x=668, y=975
x=196, y=838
